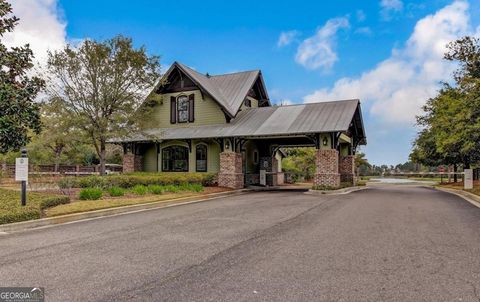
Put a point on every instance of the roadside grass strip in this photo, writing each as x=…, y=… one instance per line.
x=11, y=209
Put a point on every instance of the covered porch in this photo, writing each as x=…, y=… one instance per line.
x=247, y=150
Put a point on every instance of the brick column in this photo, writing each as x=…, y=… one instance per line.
x=326, y=173
x=347, y=169
x=230, y=174
x=131, y=162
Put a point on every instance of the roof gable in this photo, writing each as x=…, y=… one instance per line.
x=228, y=90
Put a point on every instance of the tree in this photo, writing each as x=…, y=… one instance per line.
x=101, y=85
x=451, y=122
x=59, y=134
x=19, y=113
x=361, y=163
x=300, y=162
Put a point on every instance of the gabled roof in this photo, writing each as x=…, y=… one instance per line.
x=228, y=90
x=337, y=116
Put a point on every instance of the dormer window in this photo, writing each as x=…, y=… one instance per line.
x=248, y=103
x=182, y=109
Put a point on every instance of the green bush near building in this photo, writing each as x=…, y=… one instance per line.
x=91, y=194
x=11, y=209
x=130, y=180
x=116, y=191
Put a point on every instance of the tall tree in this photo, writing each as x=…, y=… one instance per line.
x=102, y=84
x=19, y=113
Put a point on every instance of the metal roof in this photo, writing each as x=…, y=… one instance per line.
x=229, y=90
x=301, y=119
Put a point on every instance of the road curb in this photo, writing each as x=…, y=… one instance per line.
x=470, y=197
x=75, y=217
x=336, y=192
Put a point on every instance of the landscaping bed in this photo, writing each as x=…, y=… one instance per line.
x=460, y=185
x=78, y=206
x=81, y=194
x=11, y=209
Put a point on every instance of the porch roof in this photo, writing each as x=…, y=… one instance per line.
x=337, y=116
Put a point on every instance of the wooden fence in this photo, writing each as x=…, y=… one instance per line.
x=8, y=170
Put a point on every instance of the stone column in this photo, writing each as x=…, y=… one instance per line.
x=131, y=162
x=347, y=169
x=230, y=174
x=326, y=173
x=270, y=165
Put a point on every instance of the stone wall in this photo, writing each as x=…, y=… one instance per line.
x=346, y=168
x=231, y=175
x=326, y=173
x=132, y=162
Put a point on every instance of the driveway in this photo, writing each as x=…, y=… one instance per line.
x=387, y=243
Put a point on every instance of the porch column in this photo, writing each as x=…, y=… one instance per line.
x=270, y=165
x=326, y=168
x=347, y=169
x=230, y=175
x=131, y=162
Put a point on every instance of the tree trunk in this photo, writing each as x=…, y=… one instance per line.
x=455, y=178
x=103, y=155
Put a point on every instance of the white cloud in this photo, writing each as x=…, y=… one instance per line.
x=318, y=51
x=397, y=87
x=364, y=31
x=390, y=7
x=40, y=26
x=287, y=37
x=361, y=16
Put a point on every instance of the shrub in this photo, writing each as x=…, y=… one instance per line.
x=191, y=187
x=90, y=194
x=53, y=202
x=172, y=188
x=116, y=191
x=156, y=189
x=11, y=209
x=139, y=190
x=127, y=181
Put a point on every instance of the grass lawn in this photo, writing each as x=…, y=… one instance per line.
x=459, y=186
x=11, y=209
x=112, y=202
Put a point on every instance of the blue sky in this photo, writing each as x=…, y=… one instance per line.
x=385, y=52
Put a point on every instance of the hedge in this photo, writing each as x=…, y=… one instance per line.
x=11, y=209
x=128, y=181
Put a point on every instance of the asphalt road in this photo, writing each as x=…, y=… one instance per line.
x=389, y=243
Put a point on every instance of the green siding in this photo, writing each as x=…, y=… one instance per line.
x=250, y=148
x=207, y=111
x=150, y=159
x=213, y=155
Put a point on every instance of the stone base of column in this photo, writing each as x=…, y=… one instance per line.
x=347, y=169
x=132, y=163
x=327, y=180
x=326, y=172
x=231, y=175
x=349, y=177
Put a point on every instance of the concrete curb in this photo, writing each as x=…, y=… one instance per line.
x=336, y=192
x=69, y=218
x=470, y=197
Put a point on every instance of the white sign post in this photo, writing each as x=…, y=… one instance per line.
x=21, y=169
x=21, y=174
x=468, y=179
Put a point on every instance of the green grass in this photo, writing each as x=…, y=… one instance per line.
x=139, y=190
x=11, y=209
x=85, y=206
x=156, y=189
x=116, y=191
x=91, y=194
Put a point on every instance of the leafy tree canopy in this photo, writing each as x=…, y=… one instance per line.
x=19, y=113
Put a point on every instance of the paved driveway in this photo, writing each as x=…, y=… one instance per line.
x=389, y=243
